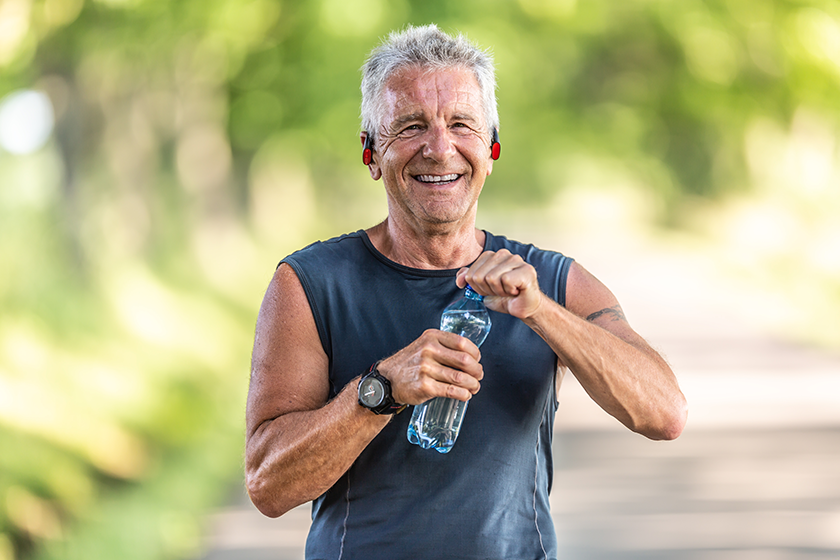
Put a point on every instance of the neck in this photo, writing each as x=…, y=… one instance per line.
x=443, y=249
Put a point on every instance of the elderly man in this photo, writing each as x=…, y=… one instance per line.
x=373, y=297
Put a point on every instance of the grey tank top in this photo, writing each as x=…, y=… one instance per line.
x=488, y=497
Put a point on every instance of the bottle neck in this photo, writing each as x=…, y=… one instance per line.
x=470, y=294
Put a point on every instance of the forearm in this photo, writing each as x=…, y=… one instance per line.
x=296, y=457
x=626, y=378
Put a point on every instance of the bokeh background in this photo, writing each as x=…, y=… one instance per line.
x=158, y=158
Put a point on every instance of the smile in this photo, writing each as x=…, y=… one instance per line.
x=437, y=179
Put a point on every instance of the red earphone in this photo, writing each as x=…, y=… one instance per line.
x=495, y=147
x=367, y=152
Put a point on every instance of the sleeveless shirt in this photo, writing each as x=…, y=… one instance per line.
x=488, y=497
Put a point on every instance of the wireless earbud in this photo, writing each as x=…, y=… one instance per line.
x=495, y=147
x=367, y=152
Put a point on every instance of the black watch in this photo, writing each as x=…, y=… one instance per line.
x=375, y=393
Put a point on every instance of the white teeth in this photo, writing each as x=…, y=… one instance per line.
x=437, y=178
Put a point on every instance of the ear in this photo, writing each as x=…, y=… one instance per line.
x=368, y=154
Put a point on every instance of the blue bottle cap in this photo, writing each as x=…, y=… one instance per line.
x=472, y=294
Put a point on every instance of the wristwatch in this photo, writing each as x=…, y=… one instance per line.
x=375, y=393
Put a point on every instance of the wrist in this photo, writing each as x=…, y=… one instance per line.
x=540, y=311
x=375, y=393
x=547, y=313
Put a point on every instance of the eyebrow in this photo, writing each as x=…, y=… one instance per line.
x=464, y=117
x=399, y=121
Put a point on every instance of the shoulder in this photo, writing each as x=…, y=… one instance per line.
x=330, y=247
x=323, y=259
x=527, y=251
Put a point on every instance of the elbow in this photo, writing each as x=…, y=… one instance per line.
x=673, y=420
x=666, y=423
x=670, y=432
x=264, y=496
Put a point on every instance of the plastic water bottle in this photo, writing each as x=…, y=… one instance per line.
x=435, y=423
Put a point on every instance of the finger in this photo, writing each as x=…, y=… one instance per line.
x=434, y=379
x=445, y=376
x=458, y=344
x=506, y=279
x=475, y=274
x=414, y=384
x=460, y=278
x=450, y=391
x=518, y=278
x=455, y=361
x=512, y=278
x=461, y=391
x=463, y=364
x=436, y=357
x=499, y=275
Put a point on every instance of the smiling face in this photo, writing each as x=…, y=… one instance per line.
x=433, y=148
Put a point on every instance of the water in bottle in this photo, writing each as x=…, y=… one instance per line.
x=435, y=423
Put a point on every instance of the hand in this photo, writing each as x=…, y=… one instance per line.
x=437, y=364
x=506, y=281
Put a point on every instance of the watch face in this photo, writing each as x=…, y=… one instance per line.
x=371, y=392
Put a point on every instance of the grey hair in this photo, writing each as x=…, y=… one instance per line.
x=424, y=47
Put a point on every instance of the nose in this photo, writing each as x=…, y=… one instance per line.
x=439, y=145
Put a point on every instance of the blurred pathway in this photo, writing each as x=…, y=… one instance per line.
x=755, y=475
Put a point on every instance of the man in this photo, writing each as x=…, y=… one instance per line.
x=373, y=298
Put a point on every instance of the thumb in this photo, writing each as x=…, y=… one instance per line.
x=461, y=278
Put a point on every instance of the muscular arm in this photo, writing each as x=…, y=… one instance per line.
x=297, y=443
x=615, y=365
x=591, y=336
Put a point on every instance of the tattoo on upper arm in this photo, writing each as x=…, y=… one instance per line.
x=615, y=311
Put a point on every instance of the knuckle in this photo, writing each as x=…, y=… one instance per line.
x=424, y=370
x=425, y=354
x=453, y=341
x=463, y=360
x=457, y=341
x=425, y=386
x=451, y=391
x=427, y=336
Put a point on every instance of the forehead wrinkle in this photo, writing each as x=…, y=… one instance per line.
x=430, y=94
x=460, y=109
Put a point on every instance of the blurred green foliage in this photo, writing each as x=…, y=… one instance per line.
x=197, y=142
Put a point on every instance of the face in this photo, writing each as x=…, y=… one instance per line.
x=433, y=148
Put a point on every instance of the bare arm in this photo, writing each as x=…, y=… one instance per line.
x=591, y=336
x=297, y=443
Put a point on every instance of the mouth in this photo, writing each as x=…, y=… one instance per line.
x=437, y=179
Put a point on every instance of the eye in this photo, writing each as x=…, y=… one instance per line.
x=411, y=130
x=461, y=127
